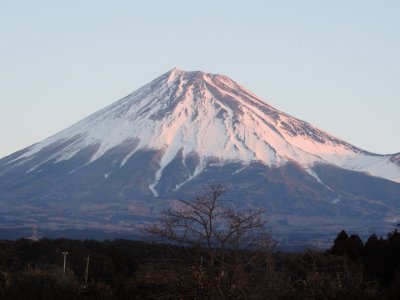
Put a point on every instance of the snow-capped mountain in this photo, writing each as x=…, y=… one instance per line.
x=214, y=117
x=174, y=133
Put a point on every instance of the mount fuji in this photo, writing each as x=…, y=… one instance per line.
x=118, y=168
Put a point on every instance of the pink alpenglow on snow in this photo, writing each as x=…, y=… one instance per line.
x=214, y=117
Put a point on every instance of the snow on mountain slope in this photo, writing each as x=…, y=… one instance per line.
x=215, y=117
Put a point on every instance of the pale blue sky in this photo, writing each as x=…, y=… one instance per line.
x=335, y=64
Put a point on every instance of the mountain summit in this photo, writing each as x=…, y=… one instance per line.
x=212, y=117
x=187, y=128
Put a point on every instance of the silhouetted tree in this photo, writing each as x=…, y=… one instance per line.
x=374, y=257
x=228, y=250
x=340, y=244
x=355, y=247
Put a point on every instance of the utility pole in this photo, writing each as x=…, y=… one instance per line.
x=87, y=271
x=65, y=253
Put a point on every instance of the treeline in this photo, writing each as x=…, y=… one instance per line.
x=379, y=257
x=118, y=269
x=123, y=269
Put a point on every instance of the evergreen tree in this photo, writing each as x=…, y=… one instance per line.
x=355, y=247
x=340, y=244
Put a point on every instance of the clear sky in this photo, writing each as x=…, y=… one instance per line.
x=335, y=64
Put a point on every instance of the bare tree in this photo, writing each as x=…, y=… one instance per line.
x=224, y=247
